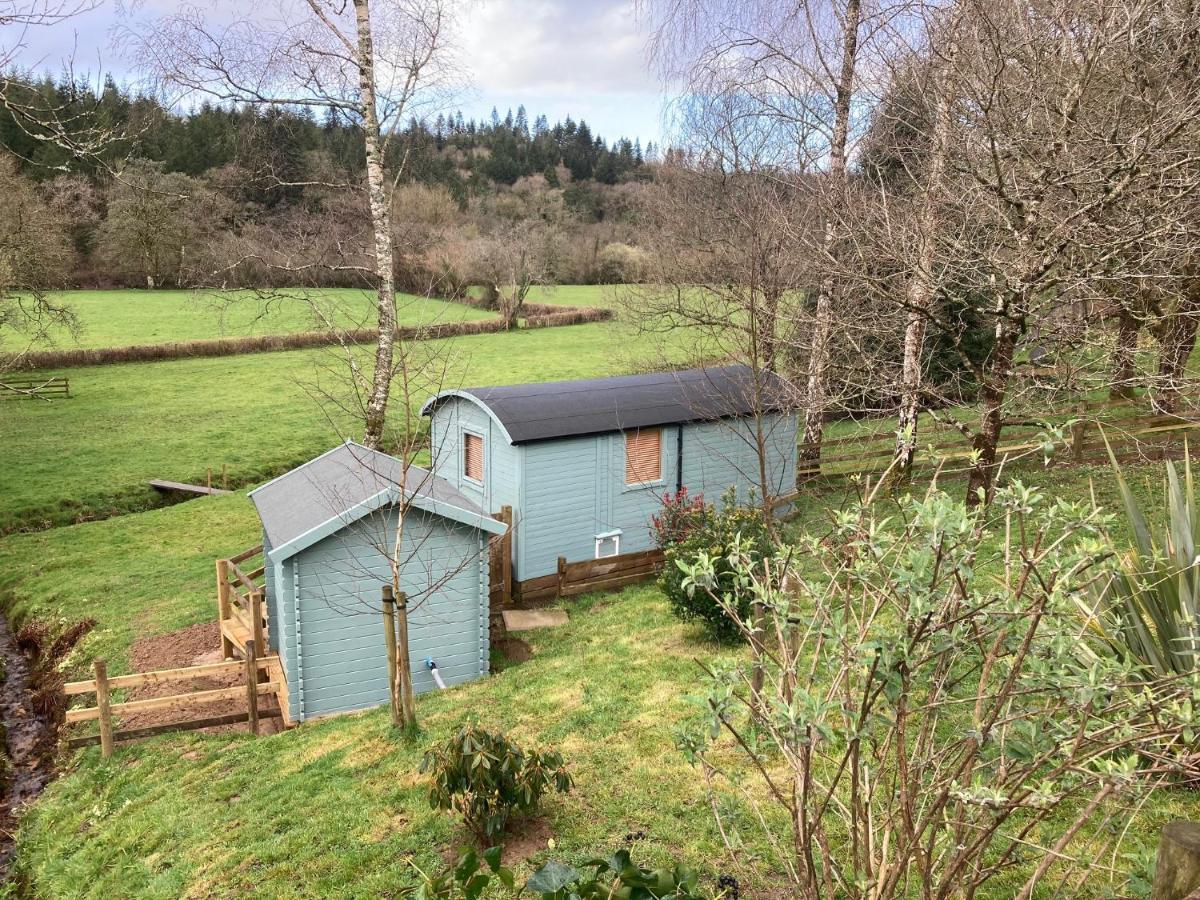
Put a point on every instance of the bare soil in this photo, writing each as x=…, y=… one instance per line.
x=195, y=645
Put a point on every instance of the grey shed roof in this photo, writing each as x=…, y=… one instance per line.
x=554, y=409
x=340, y=487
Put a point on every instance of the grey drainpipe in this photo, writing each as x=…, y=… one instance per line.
x=678, y=460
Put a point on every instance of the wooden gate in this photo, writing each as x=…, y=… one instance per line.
x=500, y=564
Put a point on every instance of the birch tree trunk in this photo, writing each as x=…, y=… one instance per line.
x=381, y=223
x=818, y=360
x=920, y=289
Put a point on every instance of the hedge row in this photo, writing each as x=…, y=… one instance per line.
x=541, y=316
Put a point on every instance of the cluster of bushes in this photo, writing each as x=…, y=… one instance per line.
x=686, y=527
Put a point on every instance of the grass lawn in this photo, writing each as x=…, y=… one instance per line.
x=125, y=317
x=257, y=414
x=337, y=808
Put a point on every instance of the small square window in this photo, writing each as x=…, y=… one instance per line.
x=643, y=455
x=473, y=456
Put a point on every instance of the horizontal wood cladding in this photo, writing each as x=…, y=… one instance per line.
x=590, y=575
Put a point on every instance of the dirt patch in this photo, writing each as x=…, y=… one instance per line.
x=527, y=838
x=514, y=650
x=196, y=645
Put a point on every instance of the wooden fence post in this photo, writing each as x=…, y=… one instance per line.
x=1079, y=432
x=404, y=699
x=223, y=607
x=506, y=516
x=100, y=667
x=562, y=577
x=252, y=685
x=389, y=640
x=224, y=476
x=1177, y=874
x=256, y=621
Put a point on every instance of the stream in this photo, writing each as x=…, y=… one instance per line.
x=24, y=769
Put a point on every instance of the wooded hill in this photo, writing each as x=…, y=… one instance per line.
x=213, y=193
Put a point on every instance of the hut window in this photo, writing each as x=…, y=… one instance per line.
x=643, y=456
x=473, y=456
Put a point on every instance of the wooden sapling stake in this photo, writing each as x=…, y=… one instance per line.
x=100, y=667
x=389, y=639
x=408, y=710
x=252, y=686
x=1079, y=432
x=1177, y=874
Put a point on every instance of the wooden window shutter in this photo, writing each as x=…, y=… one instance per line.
x=643, y=455
x=473, y=456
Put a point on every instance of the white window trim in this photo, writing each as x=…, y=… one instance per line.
x=615, y=537
x=462, y=455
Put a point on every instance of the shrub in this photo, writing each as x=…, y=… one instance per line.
x=715, y=535
x=927, y=711
x=1146, y=609
x=621, y=264
x=681, y=514
x=487, y=778
x=604, y=879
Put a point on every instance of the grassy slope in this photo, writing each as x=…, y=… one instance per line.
x=121, y=318
x=256, y=414
x=343, y=806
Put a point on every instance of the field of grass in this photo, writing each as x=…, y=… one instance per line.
x=126, y=317
x=256, y=414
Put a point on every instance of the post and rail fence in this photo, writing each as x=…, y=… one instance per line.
x=263, y=677
x=241, y=602
x=55, y=387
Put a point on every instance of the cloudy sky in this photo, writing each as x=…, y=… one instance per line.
x=583, y=58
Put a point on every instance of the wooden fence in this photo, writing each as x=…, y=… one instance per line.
x=263, y=677
x=1133, y=435
x=500, y=583
x=53, y=388
x=241, y=606
x=574, y=578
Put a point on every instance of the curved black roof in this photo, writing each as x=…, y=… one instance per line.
x=554, y=409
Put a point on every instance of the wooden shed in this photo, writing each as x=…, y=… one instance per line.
x=329, y=535
x=584, y=464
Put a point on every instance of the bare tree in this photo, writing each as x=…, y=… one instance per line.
x=508, y=262
x=376, y=63
x=802, y=66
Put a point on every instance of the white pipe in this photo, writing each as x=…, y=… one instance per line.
x=437, y=676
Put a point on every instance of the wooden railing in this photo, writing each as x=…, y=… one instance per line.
x=1133, y=435
x=24, y=388
x=241, y=607
x=607, y=573
x=263, y=677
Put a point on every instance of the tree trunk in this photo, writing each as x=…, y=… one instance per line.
x=818, y=361
x=995, y=387
x=1177, y=341
x=381, y=222
x=920, y=290
x=1124, y=369
x=403, y=686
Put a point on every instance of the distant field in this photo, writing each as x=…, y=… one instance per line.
x=256, y=414
x=125, y=317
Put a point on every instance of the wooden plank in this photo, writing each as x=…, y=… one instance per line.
x=606, y=584
x=246, y=554
x=251, y=687
x=162, y=676
x=614, y=567
x=133, y=734
x=175, y=701
x=529, y=619
x=162, y=485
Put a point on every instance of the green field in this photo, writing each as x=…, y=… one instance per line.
x=255, y=414
x=124, y=318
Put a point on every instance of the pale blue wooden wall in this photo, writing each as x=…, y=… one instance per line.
x=501, y=462
x=336, y=660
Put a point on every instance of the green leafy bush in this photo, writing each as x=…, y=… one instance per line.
x=715, y=535
x=615, y=878
x=487, y=778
